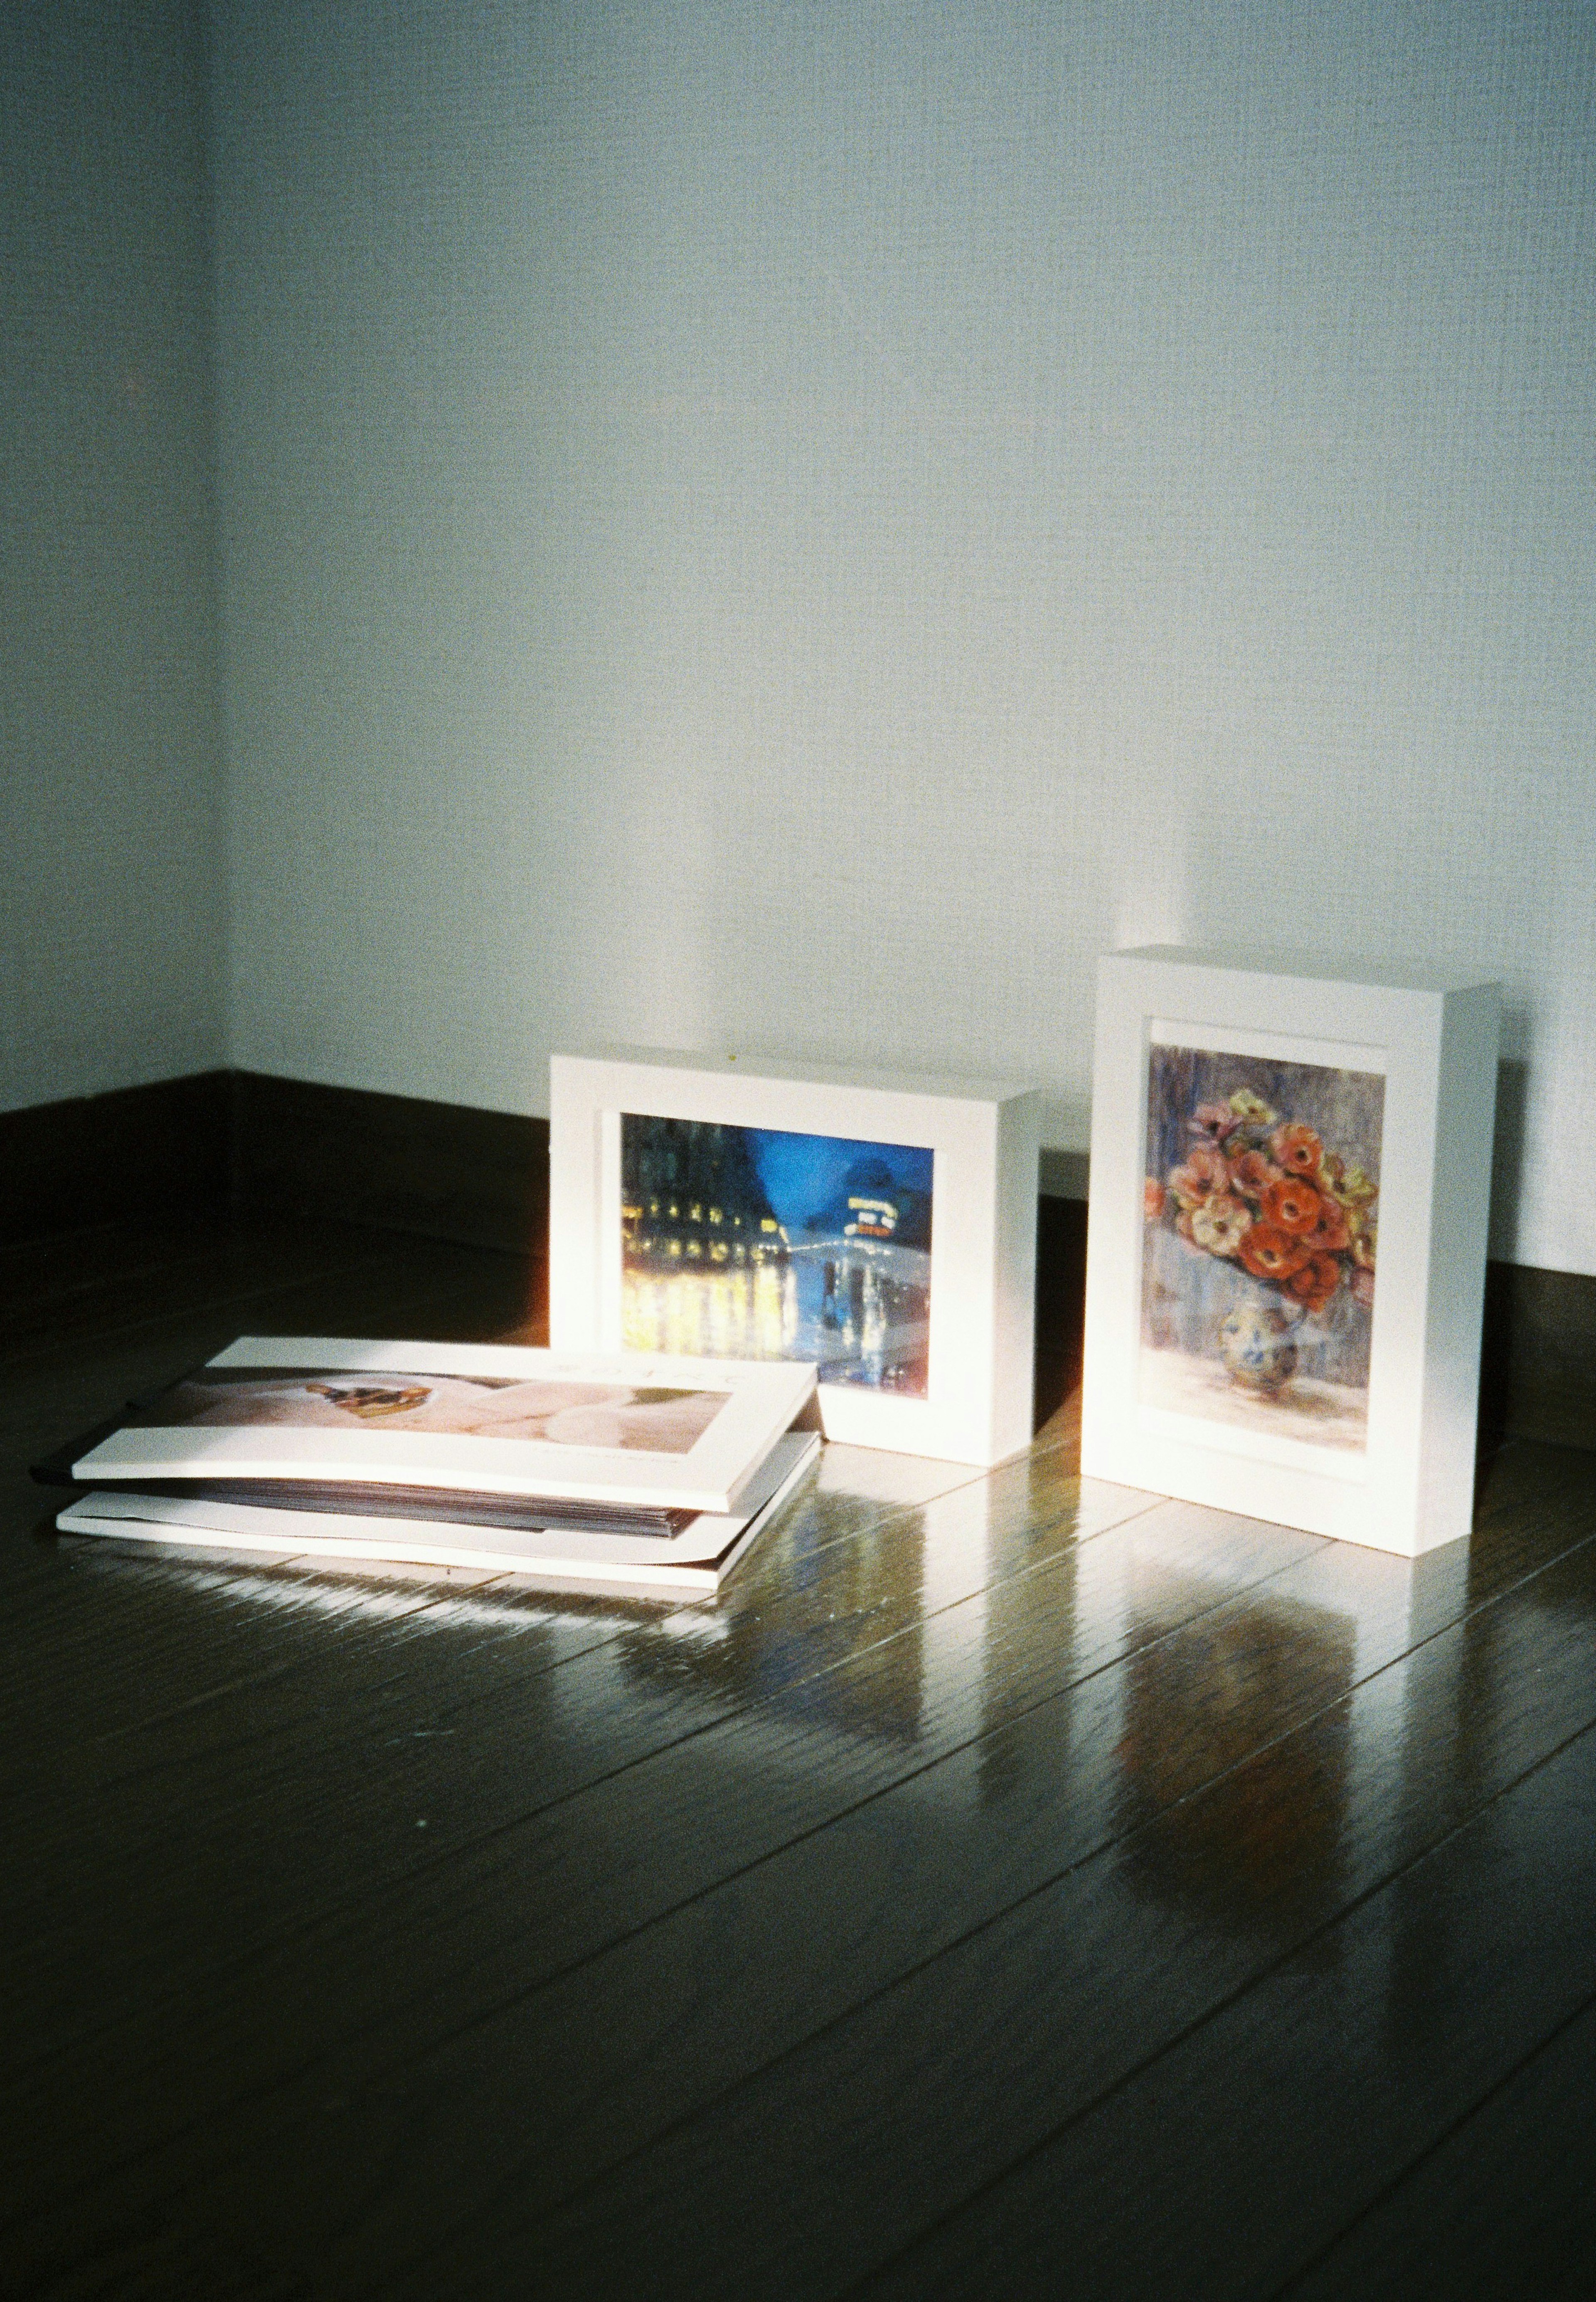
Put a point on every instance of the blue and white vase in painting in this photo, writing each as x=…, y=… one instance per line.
x=1259, y=1345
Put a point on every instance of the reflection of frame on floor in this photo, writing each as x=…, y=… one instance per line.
x=1287, y=1242
x=884, y=1229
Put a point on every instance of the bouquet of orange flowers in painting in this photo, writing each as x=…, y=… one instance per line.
x=1258, y=1263
x=1262, y=1189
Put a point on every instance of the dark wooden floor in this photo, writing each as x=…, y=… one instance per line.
x=1017, y=1885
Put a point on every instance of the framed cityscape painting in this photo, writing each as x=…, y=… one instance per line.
x=1286, y=1242
x=884, y=1231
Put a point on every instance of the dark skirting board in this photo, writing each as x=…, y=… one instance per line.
x=139, y=1155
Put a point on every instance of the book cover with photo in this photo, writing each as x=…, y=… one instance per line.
x=572, y=1430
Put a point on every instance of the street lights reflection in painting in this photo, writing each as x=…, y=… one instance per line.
x=748, y=1242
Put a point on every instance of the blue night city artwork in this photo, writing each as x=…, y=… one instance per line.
x=745, y=1242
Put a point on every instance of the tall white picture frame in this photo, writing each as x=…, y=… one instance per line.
x=1232, y=1233
x=968, y=1396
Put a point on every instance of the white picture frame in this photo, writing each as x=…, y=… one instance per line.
x=984, y=1138
x=1399, y=1473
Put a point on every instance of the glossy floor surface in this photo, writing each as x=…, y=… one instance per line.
x=1016, y=1886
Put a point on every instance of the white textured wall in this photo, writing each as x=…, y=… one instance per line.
x=111, y=900
x=797, y=526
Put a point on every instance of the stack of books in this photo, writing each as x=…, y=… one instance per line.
x=611, y=1473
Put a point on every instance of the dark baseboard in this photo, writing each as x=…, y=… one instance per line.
x=1060, y=1301
x=1538, y=1355
x=139, y=1154
x=445, y=1171
x=441, y=1169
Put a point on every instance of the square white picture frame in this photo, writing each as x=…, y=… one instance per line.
x=985, y=1138
x=1409, y=1487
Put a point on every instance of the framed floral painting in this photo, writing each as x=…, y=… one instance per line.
x=1287, y=1242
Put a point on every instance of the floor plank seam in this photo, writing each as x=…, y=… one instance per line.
x=1377, y=1886
x=1221, y=2006
x=706, y=2108
x=446, y=1858
x=1306, y=2269
x=953, y=1949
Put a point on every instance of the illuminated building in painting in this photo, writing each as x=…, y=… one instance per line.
x=692, y=1195
x=873, y=1205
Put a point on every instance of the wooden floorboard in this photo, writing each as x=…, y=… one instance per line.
x=1502, y=2202
x=1016, y=1884
x=1347, y=2070
x=970, y=2059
